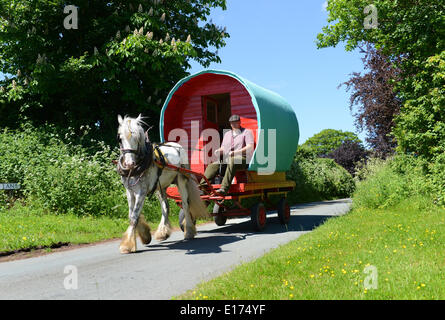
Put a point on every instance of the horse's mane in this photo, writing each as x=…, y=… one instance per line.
x=133, y=127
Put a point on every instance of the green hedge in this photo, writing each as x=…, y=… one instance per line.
x=63, y=177
x=318, y=178
x=437, y=179
x=385, y=183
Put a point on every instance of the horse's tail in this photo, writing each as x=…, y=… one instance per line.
x=196, y=205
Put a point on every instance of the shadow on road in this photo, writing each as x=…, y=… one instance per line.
x=211, y=241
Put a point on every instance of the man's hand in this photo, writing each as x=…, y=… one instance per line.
x=247, y=148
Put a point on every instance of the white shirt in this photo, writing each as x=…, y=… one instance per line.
x=236, y=132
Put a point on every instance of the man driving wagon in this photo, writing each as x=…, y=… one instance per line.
x=236, y=150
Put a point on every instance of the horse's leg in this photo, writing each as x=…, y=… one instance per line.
x=135, y=203
x=189, y=226
x=143, y=230
x=164, y=229
x=126, y=243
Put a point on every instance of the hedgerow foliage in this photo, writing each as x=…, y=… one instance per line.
x=385, y=183
x=63, y=177
x=318, y=178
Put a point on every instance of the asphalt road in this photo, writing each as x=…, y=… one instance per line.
x=161, y=269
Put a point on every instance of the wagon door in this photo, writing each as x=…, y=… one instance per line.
x=210, y=113
x=210, y=109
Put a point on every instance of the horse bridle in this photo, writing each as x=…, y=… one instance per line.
x=139, y=170
x=125, y=151
x=143, y=160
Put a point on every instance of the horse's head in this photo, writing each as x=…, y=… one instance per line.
x=132, y=139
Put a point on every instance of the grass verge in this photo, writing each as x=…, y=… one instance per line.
x=27, y=227
x=400, y=248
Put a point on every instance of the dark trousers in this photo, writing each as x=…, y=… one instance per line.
x=232, y=166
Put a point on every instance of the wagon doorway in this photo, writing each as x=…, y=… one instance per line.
x=216, y=112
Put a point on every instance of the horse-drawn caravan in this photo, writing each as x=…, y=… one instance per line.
x=192, y=123
x=205, y=101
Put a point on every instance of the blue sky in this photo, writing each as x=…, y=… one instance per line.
x=272, y=44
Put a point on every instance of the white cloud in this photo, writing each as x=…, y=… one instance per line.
x=324, y=6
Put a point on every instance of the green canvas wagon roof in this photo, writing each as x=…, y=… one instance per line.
x=276, y=120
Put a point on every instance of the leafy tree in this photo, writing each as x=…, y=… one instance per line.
x=410, y=28
x=420, y=126
x=328, y=140
x=375, y=100
x=348, y=155
x=414, y=31
x=121, y=57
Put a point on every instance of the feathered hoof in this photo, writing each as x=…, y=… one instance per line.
x=143, y=231
x=127, y=247
x=161, y=237
x=127, y=250
x=189, y=235
x=163, y=233
x=128, y=244
x=190, y=232
x=145, y=238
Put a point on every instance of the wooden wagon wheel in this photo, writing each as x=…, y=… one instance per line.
x=283, y=211
x=258, y=216
x=219, y=218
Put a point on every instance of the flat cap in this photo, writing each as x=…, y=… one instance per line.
x=234, y=117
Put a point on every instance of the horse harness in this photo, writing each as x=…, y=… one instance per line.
x=144, y=161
